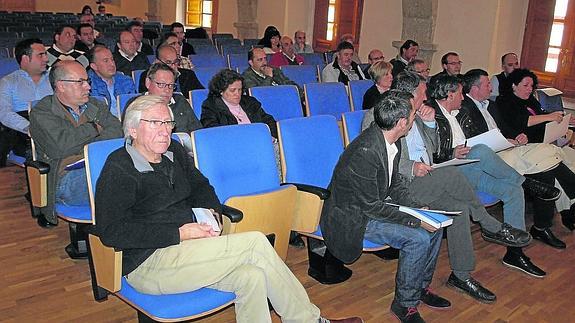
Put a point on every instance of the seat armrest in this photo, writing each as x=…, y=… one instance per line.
x=233, y=214
x=322, y=193
x=42, y=167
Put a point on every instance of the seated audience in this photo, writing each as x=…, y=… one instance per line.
x=380, y=73
x=186, y=79
x=407, y=52
x=127, y=57
x=165, y=249
x=540, y=161
x=86, y=10
x=287, y=56
x=420, y=67
x=86, y=39
x=61, y=124
x=357, y=208
x=451, y=65
x=226, y=104
x=300, y=46
x=343, y=68
x=374, y=56
x=17, y=89
x=271, y=40
x=186, y=49
x=63, y=47
x=137, y=29
x=448, y=189
x=101, y=10
x=500, y=84
x=261, y=74
x=172, y=40
x=105, y=80
x=89, y=19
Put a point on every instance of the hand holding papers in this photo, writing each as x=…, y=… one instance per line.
x=206, y=216
x=492, y=138
x=554, y=130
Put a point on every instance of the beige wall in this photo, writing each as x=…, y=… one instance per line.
x=227, y=15
x=380, y=25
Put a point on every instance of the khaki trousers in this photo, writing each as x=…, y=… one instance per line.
x=243, y=263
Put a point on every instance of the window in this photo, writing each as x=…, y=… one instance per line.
x=556, y=37
x=330, y=20
x=199, y=13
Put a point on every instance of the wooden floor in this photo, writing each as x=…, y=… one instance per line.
x=39, y=283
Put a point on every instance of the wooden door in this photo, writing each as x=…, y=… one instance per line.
x=347, y=21
x=540, y=19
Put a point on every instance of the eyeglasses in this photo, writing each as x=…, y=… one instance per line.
x=164, y=85
x=177, y=61
x=423, y=71
x=379, y=58
x=455, y=63
x=155, y=124
x=79, y=81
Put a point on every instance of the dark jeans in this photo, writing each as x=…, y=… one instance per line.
x=418, y=250
x=12, y=140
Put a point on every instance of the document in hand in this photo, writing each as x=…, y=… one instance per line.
x=431, y=220
x=554, y=130
x=206, y=216
x=492, y=138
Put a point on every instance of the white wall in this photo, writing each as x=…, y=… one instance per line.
x=380, y=25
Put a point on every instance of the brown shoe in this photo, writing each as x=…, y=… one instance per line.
x=346, y=320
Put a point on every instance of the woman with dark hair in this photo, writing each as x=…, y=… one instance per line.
x=86, y=10
x=518, y=112
x=271, y=40
x=226, y=104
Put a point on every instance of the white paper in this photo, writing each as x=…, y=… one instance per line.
x=454, y=162
x=206, y=216
x=550, y=91
x=554, y=130
x=492, y=138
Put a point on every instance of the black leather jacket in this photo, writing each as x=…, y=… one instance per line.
x=470, y=118
x=445, y=151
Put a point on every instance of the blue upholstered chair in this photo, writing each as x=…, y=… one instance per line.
x=356, y=91
x=205, y=74
x=313, y=59
x=136, y=75
x=151, y=58
x=282, y=101
x=106, y=265
x=238, y=62
x=351, y=122
x=208, y=60
x=7, y=66
x=240, y=162
x=309, y=149
x=251, y=42
x=326, y=98
x=121, y=102
x=197, y=97
x=301, y=74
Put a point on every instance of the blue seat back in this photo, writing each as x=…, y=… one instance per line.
x=202, y=49
x=208, y=60
x=7, y=66
x=238, y=159
x=301, y=74
x=356, y=91
x=205, y=74
x=281, y=101
x=313, y=59
x=238, y=61
x=122, y=100
x=352, y=124
x=311, y=147
x=151, y=58
x=328, y=56
x=251, y=42
x=235, y=49
x=136, y=75
x=197, y=97
x=326, y=98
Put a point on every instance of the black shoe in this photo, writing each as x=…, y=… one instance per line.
x=406, y=314
x=546, y=236
x=296, y=240
x=541, y=190
x=523, y=263
x=507, y=236
x=568, y=218
x=433, y=300
x=42, y=222
x=472, y=288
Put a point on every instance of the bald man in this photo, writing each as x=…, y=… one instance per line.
x=287, y=56
x=374, y=56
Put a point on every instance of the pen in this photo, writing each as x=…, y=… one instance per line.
x=465, y=144
x=423, y=161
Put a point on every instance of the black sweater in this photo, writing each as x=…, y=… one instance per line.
x=139, y=212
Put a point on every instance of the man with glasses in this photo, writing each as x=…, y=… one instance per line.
x=451, y=65
x=300, y=46
x=373, y=57
x=17, y=89
x=106, y=81
x=186, y=49
x=127, y=57
x=160, y=80
x=172, y=40
x=61, y=124
x=420, y=67
x=63, y=47
x=500, y=83
x=186, y=79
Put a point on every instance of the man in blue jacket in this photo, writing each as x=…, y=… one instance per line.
x=106, y=81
